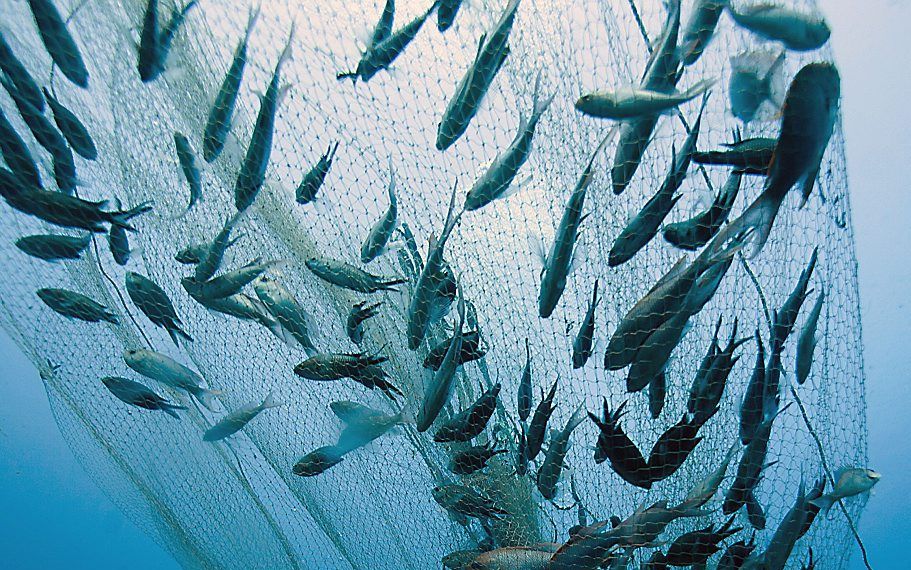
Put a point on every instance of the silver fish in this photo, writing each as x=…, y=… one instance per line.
x=632, y=102
x=798, y=31
x=168, y=371
x=209, y=256
x=848, y=483
x=229, y=283
x=285, y=308
x=238, y=419
x=583, y=343
x=554, y=459
x=748, y=88
x=347, y=276
x=700, y=29
x=381, y=232
x=439, y=390
x=76, y=306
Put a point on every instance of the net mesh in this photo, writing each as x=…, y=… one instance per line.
x=238, y=504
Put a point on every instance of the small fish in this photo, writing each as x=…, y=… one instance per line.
x=54, y=247
x=229, y=283
x=373, y=377
x=471, y=350
x=644, y=226
x=318, y=461
x=439, y=391
x=798, y=31
x=672, y=449
x=785, y=318
x=466, y=501
x=70, y=127
x=538, y=426
x=381, y=232
x=555, y=457
x=168, y=371
x=848, y=483
x=696, y=547
x=512, y=558
x=705, y=490
x=806, y=342
x=313, y=180
x=446, y=13
x=643, y=527
x=209, y=256
x=708, y=387
x=347, y=276
x=778, y=552
x=470, y=422
x=524, y=397
x=633, y=102
x=22, y=167
x=359, y=313
x=381, y=55
x=252, y=173
x=155, y=304
x=76, y=306
x=244, y=307
x=522, y=453
x=19, y=75
x=118, y=242
x=584, y=341
x=751, y=409
x=755, y=513
x=695, y=232
x=425, y=290
x=748, y=156
x=58, y=42
x=136, y=394
x=155, y=45
x=657, y=391
x=750, y=468
x=559, y=261
x=494, y=183
x=463, y=106
x=187, y=159
x=238, y=419
x=473, y=459
x=329, y=366
x=218, y=123
x=736, y=554
x=700, y=29
x=748, y=89
x=655, y=353
x=280, y=302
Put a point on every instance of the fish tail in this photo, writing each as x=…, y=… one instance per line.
x=539, y=105
x=111, y=318
x=270, y=402
x=698, y=89
x=122, y=218
x=174, y=330
x=251, y=21
x=169, y=409
x=390, y=285
x=352, y=75
x=205, y=397
x=824, y=503
x=286, y=51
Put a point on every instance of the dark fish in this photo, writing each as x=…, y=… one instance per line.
x=155, y=304
x=136, y=394
x=524, y=398
x=17, y=157
x=76, y=306
x=470, y=422
x=118, y=242
x=735, y=555
x=672, y=449
x=786, y=316
x=657, y=390
x=806, y=343
x=154, y=46
x=708, y=387
x=750, y=468
x=19, y=75
x=54, y=247
x=446, y=13
x=751, y=409
x=313, y=180
x=187, y=159
x=466, y=501
x=471, y=350
x=318, y=461
x=538, y=426
x=750, y=156
x=58, y=41
x=696, y=547
x=583, y=344
x=755, y=513
x=71, y=128
x=347, y=276
x=695, y=232
x=359, y=313
x=614, y=445
x=332, y=366
x=473, y=459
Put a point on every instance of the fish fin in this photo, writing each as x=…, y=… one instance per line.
x=205, y=397
x=269, y=402
x=169, y=409
x=516, y=186
x=808, y=184
x=824, y=503
x=536, y=243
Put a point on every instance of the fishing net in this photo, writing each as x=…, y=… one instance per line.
x=237, y=503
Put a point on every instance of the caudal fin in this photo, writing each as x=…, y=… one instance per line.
x=170, y=410
x=205, y=397
x=122, y=218
x=824, y=503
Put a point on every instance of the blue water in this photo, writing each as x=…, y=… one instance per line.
x=53, y=516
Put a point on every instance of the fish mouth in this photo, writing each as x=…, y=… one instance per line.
x=874, y=475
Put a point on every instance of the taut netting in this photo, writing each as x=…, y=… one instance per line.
x=239, y=502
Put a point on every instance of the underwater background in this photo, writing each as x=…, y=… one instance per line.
x=54, y=516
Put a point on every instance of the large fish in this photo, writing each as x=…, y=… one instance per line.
x=155, y=304
x=798, y=31
x=58, y=41
x=168, y=371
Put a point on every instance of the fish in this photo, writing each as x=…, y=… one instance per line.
x=470, y=422
x=352, y=412
x=22, y=167
x=252, y=173
x=364, y=426
x=460, y=559
x=155, y=304
x=750, y=467
x=382, y=54
x=798, y=31
x=705, y=490
x=632, y=102
x=512, y=558
x=51, y=247
x=494, y=183
x=466, y=501
x=785, y=318
x=661, y=75
x=696, y=547
x=238, y=419
x=186, y=158
x=383, y=27
x=328, y=366
x=136, y=394
x=806, y=342
x=245, y=308
x=657, y=391
x=645, y=224
x=524, y=393
x=119, y=242
x=695, y=232
x=778, y=552
x=58, y=42
x=359, y=313
x=318, y=461
x=736, y=554
x=72, y=129
x=473, y=459
x=807, y=123
x=522, y=458
x=655, y=353
x=168, y=371
x=472, y=88
x=557, y=264
x=208, y=257
x=373, y=377
x=428, y=281
x=755, y=513
x=75, y=305
x=446, y=13
x=381, y=232
x=64, y=210
x=747, y=156
x=672, y=449
x=155, y=45
x=280, y=302
x=708, y=386
x=555, y=457
x=748, y=89
x=19, y=75
x=218, y=122
x=347, y=276
x=752, y=408
x=229, y=283
x=614, y=445
x=584, y=341
x=313, y=180
x=848, y=483
x=700, y=29
x=471, y=350
x=538, y=426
